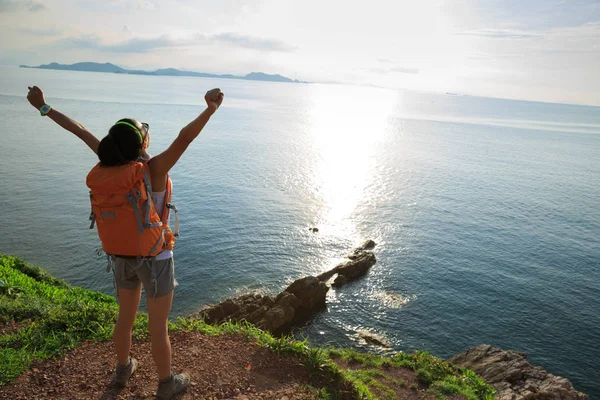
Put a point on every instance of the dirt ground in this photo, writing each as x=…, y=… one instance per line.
x=222, y=367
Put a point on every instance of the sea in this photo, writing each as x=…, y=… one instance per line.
x=486, y=212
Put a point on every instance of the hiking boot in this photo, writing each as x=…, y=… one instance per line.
x=176, y=385
x=123, y=372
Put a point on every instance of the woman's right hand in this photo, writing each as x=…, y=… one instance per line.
x=36, y=97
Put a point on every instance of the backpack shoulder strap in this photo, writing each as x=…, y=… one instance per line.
x=147, y=179
x=148, y=204
x=169, y=206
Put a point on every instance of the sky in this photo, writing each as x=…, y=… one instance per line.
x=542, y=50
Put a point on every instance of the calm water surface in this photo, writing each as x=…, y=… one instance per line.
x=485, y=211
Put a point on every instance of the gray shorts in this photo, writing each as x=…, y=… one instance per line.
x=158, y=277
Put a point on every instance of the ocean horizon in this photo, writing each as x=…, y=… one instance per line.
x=485, y=210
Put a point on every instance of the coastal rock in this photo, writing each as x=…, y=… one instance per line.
x=367, y=245
x=374, y=339
x=361, y=260
x=298, y=302
x=353, y=269
x=276, y=317
x=340, y=280
x=310, y=291
x=249, y=307
x=513, y=377
x=325, y=276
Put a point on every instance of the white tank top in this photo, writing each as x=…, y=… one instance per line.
x=158, y=198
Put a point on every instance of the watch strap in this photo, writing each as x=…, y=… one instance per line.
x=45, y=109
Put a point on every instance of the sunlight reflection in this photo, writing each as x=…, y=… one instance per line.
x=346, y=124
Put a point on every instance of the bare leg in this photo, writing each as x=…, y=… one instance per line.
x=129, y=301
x=158, y=314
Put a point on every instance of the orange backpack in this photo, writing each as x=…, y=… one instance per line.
x=123, y=210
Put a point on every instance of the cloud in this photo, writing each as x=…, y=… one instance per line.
x=391, y=66
x=501, y=34
x=386, y=70
x=16, y=5
x=146, y=45
x=145, y=5
x=135, y=45
x=405, y=70
x=250, y=42
x=41, y=32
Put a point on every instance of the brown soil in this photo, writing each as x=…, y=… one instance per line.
x=222, y=367
x=10, y=327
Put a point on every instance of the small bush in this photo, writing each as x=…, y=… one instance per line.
x=424, y=376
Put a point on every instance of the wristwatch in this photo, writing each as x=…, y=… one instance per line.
x=45, y=109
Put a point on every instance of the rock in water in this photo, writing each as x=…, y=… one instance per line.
x=310, y=291
x=514, y=377
x=374, y=339
x=355, y=268
x=367, y=245
x=296, y=304
x=300, y=301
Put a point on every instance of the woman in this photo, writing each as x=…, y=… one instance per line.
x=126, y=142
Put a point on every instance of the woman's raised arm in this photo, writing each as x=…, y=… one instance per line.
x=162, y=163
x=36, y=99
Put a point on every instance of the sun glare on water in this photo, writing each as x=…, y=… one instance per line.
x=346, y=125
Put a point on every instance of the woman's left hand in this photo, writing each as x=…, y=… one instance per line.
x=36, y=97
x=214, y=98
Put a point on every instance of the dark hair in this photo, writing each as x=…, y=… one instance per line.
x=122, y=144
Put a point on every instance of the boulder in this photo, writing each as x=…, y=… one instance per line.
x=276, y=317
x=300, y=301
x=214, y=314
x=286, y=299
x=374, y=339
x=358, y=267
x=325, y=276
x=361, y=260
x=367, y=245
x=310, y=291
x=340, y=280
x=513, y=377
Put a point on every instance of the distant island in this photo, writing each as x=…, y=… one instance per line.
x=115, y=69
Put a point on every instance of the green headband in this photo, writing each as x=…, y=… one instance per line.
x=134, y=128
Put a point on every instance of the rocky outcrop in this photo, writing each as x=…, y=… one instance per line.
x=353, y=269
x=374, y=339
x=513, y=377
x=295, y=304
x=310, y=291
x=367, y=245
x=360, y=261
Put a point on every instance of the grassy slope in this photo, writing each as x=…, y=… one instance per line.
x=52, y=317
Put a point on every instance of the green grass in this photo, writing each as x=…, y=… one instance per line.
x=54, y=317
x=441, y=377
x=371, y=378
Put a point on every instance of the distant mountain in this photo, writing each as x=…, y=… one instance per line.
x=112, y=68
x=83, y=66
x=259, y=76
